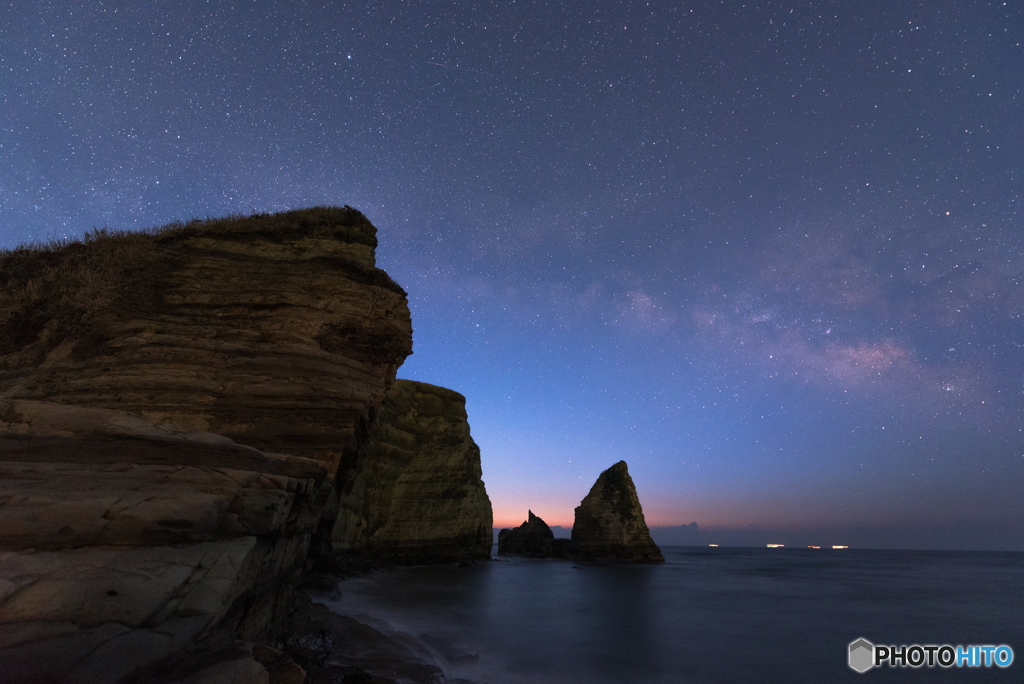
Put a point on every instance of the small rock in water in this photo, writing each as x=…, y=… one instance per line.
x=526, y=540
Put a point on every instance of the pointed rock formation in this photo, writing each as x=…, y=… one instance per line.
x=416, y=494
x=532, y=538
x=610, y=522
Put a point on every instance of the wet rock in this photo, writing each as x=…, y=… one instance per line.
x=280, y=666
x=221, y=659
x=382, y=652
x=307, y=635
x=242, y=670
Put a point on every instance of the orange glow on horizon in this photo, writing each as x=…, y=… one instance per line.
x=506, y=523
x=549, y=511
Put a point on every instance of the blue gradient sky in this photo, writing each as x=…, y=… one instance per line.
x=770, y=255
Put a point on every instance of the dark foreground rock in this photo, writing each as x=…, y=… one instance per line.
x=526, y=540
x=344, y=649
x=176, y=411
x=610, y=524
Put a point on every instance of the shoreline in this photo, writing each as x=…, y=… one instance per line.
x=358, y=648
x=541, y=621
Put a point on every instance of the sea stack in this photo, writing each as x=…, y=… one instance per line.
x=610, y=522
x=526, y=540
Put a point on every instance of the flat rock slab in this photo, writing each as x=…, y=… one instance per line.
x=67, y=505
x=87, y=614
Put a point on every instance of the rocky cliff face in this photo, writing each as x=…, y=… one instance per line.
x=610, y=523
x=176, y=412
x=275, y=331
x=419, y=497
x=122, y=542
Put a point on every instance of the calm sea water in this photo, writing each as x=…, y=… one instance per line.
x=706, y=615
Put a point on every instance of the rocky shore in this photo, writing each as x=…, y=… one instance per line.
x=344, y=649
x=201, y=432
x=183, y=415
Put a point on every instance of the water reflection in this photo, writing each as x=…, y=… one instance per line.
x=707, y=615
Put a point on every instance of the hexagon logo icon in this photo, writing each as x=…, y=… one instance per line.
x=862, y=655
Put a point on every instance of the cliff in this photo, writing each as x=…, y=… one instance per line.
x=275, y=331
x=610, y=524
x=417, y=494
x=177, y=412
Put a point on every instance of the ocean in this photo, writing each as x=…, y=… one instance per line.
x=708, y=615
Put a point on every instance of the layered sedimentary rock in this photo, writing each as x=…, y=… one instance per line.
x=176, y=410
x=275, y=331
x=529, y=539
x=417, y=493
x=610, y=523
x=123, y=541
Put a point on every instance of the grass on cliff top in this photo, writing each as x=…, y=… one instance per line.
x=345, y=223
x=69, y=281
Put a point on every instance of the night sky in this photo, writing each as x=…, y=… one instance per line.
x=770, y=254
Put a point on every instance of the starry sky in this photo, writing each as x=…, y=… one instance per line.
x=770, y=254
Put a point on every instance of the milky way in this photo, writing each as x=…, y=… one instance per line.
x=771, y=256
